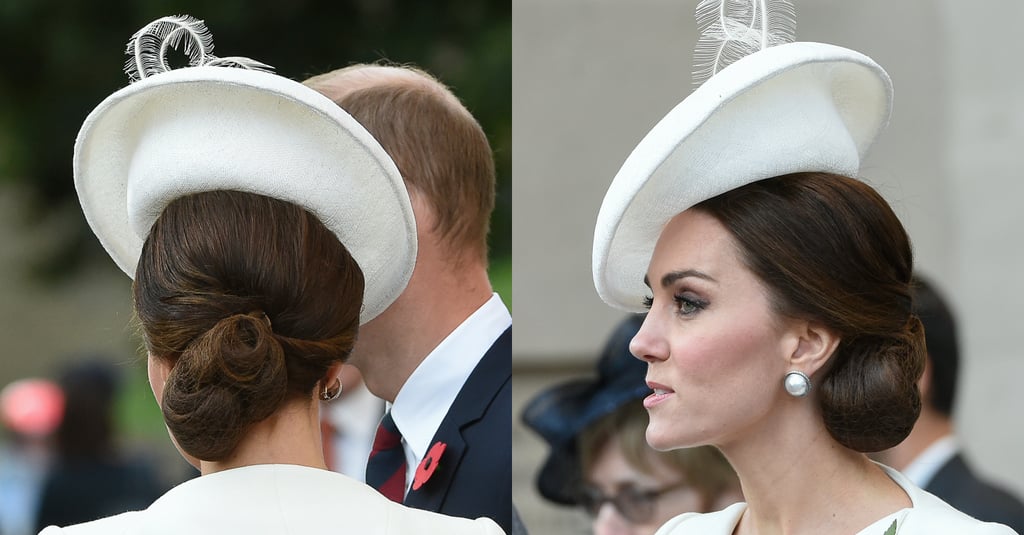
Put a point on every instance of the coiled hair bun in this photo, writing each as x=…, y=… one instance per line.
x=234, y=375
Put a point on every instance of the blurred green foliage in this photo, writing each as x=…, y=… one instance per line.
x=137, y=414
x=62, y=57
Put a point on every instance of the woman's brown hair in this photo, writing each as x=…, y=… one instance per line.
x=830, y=249
x=250, y=299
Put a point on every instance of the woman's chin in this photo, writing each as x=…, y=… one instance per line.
x=670, y=437
x=658, y=439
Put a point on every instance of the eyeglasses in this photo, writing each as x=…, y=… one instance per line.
x=635, y=505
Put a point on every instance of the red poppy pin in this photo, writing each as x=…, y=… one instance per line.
x=429, y=465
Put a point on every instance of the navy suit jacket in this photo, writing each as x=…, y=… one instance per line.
x=474, y=474
x=957, y=485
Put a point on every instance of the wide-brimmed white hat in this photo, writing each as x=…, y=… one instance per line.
x=203, y=128
x=784, y=109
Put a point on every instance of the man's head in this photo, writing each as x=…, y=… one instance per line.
x=446, y=161
x=943, y=349
x=440, y=149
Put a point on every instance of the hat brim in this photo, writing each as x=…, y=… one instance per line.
x=791, y=108
x=201, y=129
x=559, y=415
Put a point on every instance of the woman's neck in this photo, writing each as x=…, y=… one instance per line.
x=797, y=479
x=289, y=436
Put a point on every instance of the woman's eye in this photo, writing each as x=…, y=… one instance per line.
x=688, y=305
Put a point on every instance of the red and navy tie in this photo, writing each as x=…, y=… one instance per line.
x=385, y=470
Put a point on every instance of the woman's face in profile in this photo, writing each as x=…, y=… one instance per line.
x=716, y=351
x=624, y=500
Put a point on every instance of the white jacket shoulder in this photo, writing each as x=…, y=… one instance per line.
x=718, y=523
x=124, y=523
x=932, y=516
x=275, y=499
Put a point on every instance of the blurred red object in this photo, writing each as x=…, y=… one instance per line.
x=32, y=407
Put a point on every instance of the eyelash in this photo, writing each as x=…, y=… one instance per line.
x=696, y=305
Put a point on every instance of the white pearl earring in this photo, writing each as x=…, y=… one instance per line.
x=797, y=384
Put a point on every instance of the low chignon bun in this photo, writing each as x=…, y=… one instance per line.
x=234, y=375
x=869, y=397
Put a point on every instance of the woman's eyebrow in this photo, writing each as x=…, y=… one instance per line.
x=673, y=276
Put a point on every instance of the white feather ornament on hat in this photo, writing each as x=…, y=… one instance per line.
x=784, y=108
x=215, y=126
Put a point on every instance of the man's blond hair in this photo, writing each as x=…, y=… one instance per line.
x=438, y=146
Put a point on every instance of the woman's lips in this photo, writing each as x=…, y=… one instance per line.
x=661, y=393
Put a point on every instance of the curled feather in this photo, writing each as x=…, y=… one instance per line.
x=732, y=29
x=238, y=61
x=147, y=49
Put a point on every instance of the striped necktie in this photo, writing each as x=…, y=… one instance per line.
x=385, y=470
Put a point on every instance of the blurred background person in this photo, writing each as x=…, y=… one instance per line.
x=599, y=458
x=931, y=456
x=91, y=477
x=30, y=410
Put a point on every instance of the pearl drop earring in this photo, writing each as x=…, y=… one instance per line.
x=797, y=384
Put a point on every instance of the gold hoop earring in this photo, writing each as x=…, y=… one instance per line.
x=333, y=393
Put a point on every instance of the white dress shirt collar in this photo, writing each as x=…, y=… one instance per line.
x=923, y=468
x=423, y=402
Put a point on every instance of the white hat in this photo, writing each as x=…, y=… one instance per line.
x=784, y=109
x=194, y=129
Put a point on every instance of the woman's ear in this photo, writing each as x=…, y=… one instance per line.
x=815, y=345
x=157, y=369
x=333, y=380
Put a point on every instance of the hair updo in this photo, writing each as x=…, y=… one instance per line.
x=250, y=299
x=830, y=249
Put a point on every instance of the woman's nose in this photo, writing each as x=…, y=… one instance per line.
x=649, y=344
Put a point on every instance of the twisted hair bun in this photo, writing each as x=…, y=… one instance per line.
x=234, y=375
